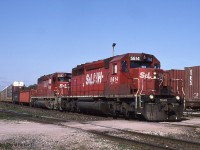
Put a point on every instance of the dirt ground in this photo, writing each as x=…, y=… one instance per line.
x=186, y=130
x=18, y=134
x=30, y=135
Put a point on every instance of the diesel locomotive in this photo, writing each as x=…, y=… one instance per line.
x=130, y=85
x=50, y=90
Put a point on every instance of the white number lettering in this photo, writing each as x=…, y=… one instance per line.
x=114, y=80
x=135, y=58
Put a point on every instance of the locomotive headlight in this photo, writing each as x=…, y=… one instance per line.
x=178, y=98
x=154, y=75
x=151, y=97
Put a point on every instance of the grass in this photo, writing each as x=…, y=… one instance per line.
x=6, y=146
x=6, y=117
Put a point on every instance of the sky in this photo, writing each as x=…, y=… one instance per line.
x=39, y=37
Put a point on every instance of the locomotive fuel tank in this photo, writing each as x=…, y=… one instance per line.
x=93, y=107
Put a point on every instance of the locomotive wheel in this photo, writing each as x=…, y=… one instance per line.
x=49, y=104
x=115, y=115
x=125, y=113
x=127, y=116
x=31, y=104
x=60, y=109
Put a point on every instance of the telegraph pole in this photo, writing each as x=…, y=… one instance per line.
x=113, y=46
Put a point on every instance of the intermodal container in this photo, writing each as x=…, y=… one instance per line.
x=192, y=86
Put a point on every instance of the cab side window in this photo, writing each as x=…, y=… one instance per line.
x=124, y=66
x=54, y=79
x=114, y=69
x=156, y=66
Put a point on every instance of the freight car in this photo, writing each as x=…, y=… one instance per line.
x=25, y=96
x=190, y=78
x=192, y=87
x=130, y=85
x=11, y=93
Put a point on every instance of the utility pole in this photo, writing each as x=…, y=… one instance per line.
x=113, y=46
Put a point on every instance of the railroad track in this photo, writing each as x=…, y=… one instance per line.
x=153, y=141
x=191, y=113
x=185, y=124
x=132, y=138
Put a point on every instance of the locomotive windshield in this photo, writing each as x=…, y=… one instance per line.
x=139, y=64
x=64, y=79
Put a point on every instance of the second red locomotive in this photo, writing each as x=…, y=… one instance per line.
x=50, y=89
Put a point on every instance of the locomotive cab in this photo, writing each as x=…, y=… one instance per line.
x=129, y=72
x=61, y=83
x=54, y=84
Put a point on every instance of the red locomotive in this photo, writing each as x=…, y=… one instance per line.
x=50, y=89
x=131, y=85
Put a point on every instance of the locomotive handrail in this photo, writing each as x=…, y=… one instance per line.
x=138, y=85
x=178, y=86
x=136, y=95
x=160, y=82
x=150, y=79
x=142, y=86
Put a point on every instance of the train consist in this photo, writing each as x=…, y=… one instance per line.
x=130, y=85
